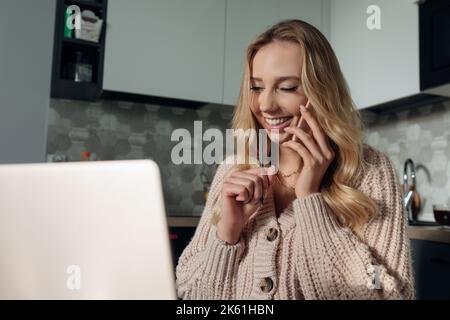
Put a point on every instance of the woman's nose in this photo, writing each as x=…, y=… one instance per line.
x=267, y=101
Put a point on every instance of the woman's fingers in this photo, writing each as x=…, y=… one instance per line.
x=234, y=190
x=249, y=185
x=259, y=180
x=319, y=134
x=302, y=151
x=253, y=181
x=260, y=184
x=308, y=141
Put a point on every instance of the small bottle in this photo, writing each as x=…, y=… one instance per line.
x=86, y=156
x=68, y=33
x=83, y=68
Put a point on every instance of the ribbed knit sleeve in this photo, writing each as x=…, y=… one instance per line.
x=207, y=268
x=334, y=263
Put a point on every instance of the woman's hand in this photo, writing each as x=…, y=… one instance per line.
x=242, y=193
x=316, y=153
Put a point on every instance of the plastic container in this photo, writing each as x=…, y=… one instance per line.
x=91, y=27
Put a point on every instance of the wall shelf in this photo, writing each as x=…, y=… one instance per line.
x=86, y=4
x=68, y=51
x=80, y=42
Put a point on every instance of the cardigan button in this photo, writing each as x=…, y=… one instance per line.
x=266, y=285
x=271, y=234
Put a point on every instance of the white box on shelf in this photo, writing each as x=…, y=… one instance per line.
x=91, y=27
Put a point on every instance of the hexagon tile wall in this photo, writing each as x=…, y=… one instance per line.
x=112, y=129
x=117, y=130
x=422, y=134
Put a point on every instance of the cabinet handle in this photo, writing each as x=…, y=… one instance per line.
x=440, y=261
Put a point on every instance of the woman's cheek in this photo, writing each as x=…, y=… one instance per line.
x=255, y=110
x=292, y=105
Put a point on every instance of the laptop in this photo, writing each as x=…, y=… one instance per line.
x=84, y=230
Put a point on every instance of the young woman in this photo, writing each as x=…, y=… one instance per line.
x=331, y=225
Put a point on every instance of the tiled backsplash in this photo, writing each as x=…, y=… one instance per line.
x=422, y=134
x=116, y=130
x=112, y=129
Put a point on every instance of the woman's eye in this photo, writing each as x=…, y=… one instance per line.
x=255, y=88
x=289, y=89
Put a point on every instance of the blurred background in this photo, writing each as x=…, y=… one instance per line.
x=118, y=84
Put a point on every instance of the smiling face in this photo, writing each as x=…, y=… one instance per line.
x=276, y=88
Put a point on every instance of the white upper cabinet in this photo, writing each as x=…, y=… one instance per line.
x=166, y=48
x=195, y=50
x=246, y=19
x=380, y=65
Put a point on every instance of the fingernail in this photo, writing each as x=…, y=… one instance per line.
x=271, y=170
x=302, y=108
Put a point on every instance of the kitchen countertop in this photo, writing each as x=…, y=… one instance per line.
x=429, y=233
x=182, y=221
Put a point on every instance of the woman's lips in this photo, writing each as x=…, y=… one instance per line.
x=280, y=125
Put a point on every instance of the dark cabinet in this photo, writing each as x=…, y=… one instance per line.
x=179, y=239
x=77, y=63
x=431, y=265
x=434, y=43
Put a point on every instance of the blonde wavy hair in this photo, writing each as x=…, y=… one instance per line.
x=331, y=104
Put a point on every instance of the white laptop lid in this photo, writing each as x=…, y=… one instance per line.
x=84, y=230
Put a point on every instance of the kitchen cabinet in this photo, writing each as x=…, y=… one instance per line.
x=191, y=50
x=434, y=34
x=164, y=48
x=195, y=50
x=246, y=19
x=379, y=65
x=181, y=231
x=180, y=237
x=431, y=266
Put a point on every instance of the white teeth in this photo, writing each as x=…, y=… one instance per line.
x=274, y=122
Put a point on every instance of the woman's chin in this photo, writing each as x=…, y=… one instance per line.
x=280, y=137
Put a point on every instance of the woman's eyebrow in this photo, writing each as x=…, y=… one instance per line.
x=278, y=79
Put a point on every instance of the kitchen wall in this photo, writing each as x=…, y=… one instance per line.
x=122, y=130
x=115, y=130
x=26, y=45
x=422, y=134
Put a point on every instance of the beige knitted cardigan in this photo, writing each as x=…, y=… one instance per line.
x=312, y=257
